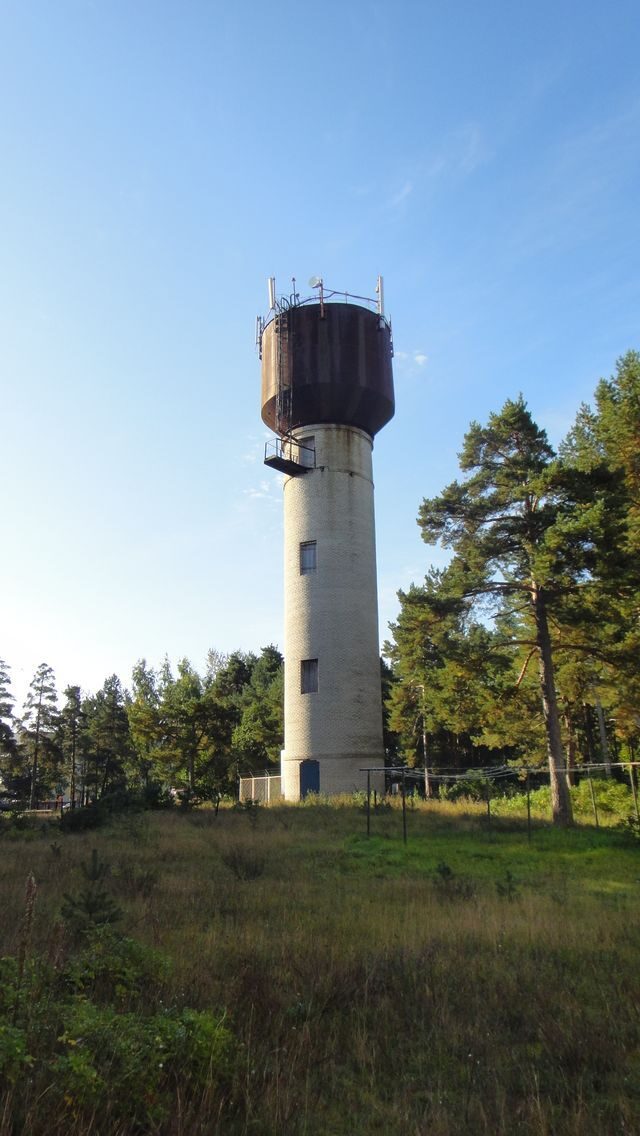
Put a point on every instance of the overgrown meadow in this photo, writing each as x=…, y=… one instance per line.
x=275, y=970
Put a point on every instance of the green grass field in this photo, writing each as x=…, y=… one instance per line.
x=279, y=972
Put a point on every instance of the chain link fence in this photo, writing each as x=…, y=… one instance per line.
x=264, y=789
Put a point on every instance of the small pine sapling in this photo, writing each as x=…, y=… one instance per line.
x=93, y=905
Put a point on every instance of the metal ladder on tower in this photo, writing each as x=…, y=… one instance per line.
x=283, y=390
x=284, y=453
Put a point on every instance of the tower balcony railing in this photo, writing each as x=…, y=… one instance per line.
x=289, y=456
x=323, y=296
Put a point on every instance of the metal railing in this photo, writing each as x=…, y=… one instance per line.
x=288, y=450
x=281, y=304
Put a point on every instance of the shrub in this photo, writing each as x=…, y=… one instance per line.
x=83, y=819
x=94, y=1038
x=450, y=886
x=508, y=887
x=120, y=802
x=631, y=826
x=113, y=968
x=473, y=787
x=15, y=1059
x=125, y=1066
x=611, y=797
x=155, y=796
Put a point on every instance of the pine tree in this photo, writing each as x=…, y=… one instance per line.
x=73, y=722
x=605, y=443
x=39, y=724
x=184, y=718
x=8, y=744
x=617, y=429
x=145, y=719
x=452, y=673
x=108, y=732
x=258, y=737
x=521, y=529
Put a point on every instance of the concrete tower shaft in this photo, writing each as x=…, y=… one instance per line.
x=333, y=709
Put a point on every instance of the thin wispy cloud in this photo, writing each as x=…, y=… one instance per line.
x=410, y=362
x=256, y=444
x=470, y=149
x=458, y=155
x=401, y=196
x=268, y=490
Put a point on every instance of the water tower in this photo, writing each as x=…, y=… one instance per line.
x=327, y=388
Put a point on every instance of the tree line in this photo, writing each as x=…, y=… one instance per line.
x=526, y=646
x=172, y=730
x=524, y=649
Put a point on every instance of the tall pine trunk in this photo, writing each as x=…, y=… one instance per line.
x=604, y=745
x=72, y=771
x=571, y=748
x=560, y=798
x=34, y=769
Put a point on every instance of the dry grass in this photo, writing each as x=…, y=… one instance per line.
x=364, y=999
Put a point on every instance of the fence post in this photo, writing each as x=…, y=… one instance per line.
x=634, y=788
x=368, y=802
x=489, y=800
x=404, y=809
x=528, y=804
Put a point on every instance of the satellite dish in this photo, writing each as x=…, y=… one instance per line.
x=315, y=281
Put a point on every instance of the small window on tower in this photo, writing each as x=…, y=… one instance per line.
x=308, y=561
x=309, y=676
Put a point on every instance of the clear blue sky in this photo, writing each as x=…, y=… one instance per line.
x=160, y=159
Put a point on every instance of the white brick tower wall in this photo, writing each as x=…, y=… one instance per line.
x=331, y=614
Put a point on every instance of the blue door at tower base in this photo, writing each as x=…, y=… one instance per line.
x=309, y=777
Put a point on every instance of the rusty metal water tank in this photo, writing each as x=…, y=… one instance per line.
x=327, y=363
